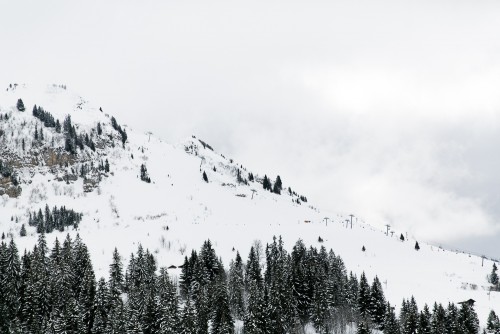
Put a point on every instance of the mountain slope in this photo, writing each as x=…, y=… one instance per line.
x=178, y=210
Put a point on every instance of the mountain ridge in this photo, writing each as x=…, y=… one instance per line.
x=178, y=210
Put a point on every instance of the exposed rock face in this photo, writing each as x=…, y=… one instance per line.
x=14, y=191
x=53, y=158
x=6, y=187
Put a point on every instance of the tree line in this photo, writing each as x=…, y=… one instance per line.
x=56, y=291
x=48, y=220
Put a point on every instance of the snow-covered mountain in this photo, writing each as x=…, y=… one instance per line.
x=178, y=210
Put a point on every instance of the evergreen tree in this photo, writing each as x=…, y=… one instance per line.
x=364, y=298
x=168, y=304
x=222, y=322
x=255, y=320
x=409, y=317
x=377, y=304
x=493, y=324
x=438, y=319
x=301, y=286
x=253, y=272
x=352, y=292
x=468, y=321
x=205, y=177
x=101, y=308
x=22, y=233
x=279, y=281
x=424, y=324
x=278, y=186
x=266, y=183
x=20, y=105
x=363, y=328
x=10, y=273
x=186, y=276
x=236, y=287
x=188, y=319
x=115, y=277
x=493, y=279
x=320, y=301
x=451, y=322
x=417, y=246
x=391, y=323
x=202, y=308
x=144, y=174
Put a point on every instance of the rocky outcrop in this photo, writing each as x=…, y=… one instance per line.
x=53, y=158
x=7, y=188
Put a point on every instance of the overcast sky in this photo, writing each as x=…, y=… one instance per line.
x=387, y=109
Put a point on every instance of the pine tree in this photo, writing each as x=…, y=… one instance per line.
x=101, y=307
x=409, y=317
x=391, y=323
x=352, y=292
x=205, y=177
x=320, y=313
x=301, y=287
x=236, y=287
x=253, y=272
x=144, y=174
x=493, y=324
x=115, y=277
x=22, y=233
x=424, y=324
x=222, y=321
x=363, y=328
x=266, y=183
x=417, y=246
x=278, y=186
x=493, y=279
x=451, y=322
x=202, y=308
x=377, y=304
x=186, y=276
x=20, y=105
x=468, y=321
x=10, y=273
x=364, y=298
x=188, y=319
x=239, y=178
x=255, y=321
x=438, y=319
x=168, y=304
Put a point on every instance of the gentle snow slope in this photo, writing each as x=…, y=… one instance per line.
x=124, y=211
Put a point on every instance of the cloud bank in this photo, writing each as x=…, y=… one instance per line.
x=386, y=109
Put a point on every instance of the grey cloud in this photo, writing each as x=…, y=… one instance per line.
x=388, y=109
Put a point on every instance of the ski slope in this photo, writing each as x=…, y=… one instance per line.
x=178, y=210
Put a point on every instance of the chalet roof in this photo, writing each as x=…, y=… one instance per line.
x=468, y=302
